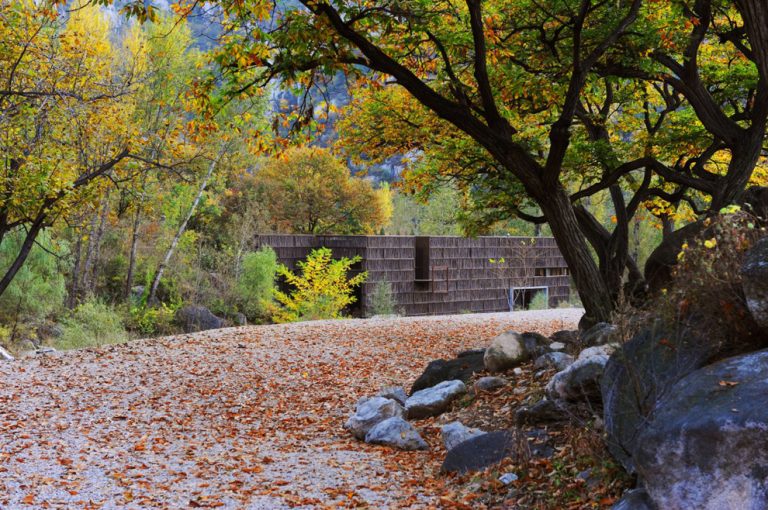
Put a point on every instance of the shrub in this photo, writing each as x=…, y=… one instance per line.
x=705, y=291
x=256, y=282
x=382, y=300
x=148, y=320
x=90, y=324
x=321, y=291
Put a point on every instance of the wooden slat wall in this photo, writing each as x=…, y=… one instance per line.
x=468, y=281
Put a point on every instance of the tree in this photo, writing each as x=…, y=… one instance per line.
x=308, y=191
x=531, y=96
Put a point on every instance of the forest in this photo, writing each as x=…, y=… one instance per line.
x=135, y=179
x=146, y=145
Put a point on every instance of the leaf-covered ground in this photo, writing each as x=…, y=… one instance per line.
x=239, y=418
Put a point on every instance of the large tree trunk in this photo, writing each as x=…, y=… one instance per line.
x=152, y=297
x=593, y=291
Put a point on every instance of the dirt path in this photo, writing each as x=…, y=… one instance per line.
x=238, y=418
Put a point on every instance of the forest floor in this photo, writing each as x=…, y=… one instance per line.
x=238, y=418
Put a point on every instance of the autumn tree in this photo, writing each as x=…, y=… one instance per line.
x=64, y=129
x=532, y=98
x=308, y=191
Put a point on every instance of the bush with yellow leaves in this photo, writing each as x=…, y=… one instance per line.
x=322, y=290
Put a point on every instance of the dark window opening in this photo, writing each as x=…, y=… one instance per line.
x=421, y=256
x=521, y=298
x=540, y=271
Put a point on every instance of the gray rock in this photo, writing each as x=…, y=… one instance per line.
x=542, y=412
x=433, y=401
x=508, y=478
x=566, y=336
x=490, y=383
x=194, y=318
x=396, y=393
x=455, y=433
x=581, y=379
x=471, y=352
x=240, y=319
x=137, y=292
x=397, y=433
x=535, y=344
x=461, y=368
x=599, y=334
x=707, y=444
x=5, y=355
x=754, y=273
x=556, y=346
x=506, y=351
x=480, y=452
x=639, y=374
x=370, y=412
x=635, y=499
x=556, y=360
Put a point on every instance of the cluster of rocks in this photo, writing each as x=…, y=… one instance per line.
x=383, y=419
x=693, y=430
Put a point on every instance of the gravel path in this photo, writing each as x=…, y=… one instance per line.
x=237, y=418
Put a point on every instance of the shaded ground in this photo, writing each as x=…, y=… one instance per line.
x=238, y=418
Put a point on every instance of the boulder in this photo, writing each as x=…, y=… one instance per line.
x=397, y=433
x=194, y=318
x=566, y=336
x=455, y=433
x=396, y=393
x=461, y=368
x=754, y=272
x=706, y=446
x=556, y=360
x=542, y=412
x=370, y=412
x=240, y=319
x=506, y=351
x=635, y=499
x=489, y=383
x=599, y=334
x=639, y=374
x=480, y=452
x=5, y=355
x=433, y=401
x=471, y=352
x=581, y=379
x=536, y=344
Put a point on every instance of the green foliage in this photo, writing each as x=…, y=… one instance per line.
x=148, y=320
x=256, y=282
x=91, y=324
x=38, y=289
x=382, y=300
x=321, y=291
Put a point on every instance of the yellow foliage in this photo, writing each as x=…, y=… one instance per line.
x=321, y=291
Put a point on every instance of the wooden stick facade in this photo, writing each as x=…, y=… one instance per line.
x=443, y=275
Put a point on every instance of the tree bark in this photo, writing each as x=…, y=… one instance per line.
x=592, y=289
x=132, y=253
